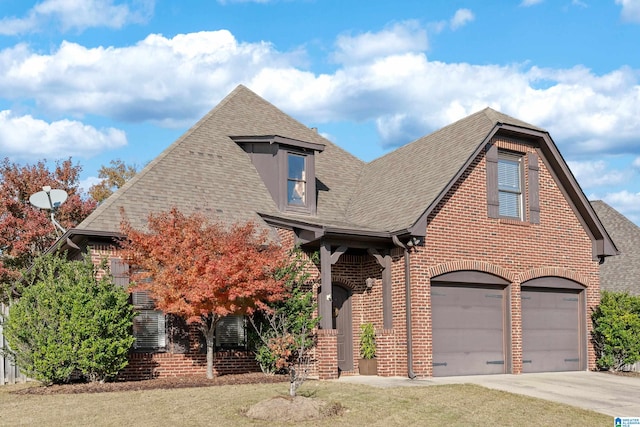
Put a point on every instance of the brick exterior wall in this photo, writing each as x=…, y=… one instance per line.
x=143, y=366
x=460, y=236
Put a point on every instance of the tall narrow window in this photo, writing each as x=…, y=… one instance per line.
x=296, y=180
x=510, y=185
x=149, y=325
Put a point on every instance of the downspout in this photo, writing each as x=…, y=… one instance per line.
x=407, y=301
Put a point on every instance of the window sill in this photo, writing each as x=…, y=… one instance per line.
x=513, y=221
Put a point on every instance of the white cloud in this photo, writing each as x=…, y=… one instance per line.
x=593, y=174
x=158, y=79
x=384, y=77
x=626, y=202
x=527, y=3
x=630, y=10
x=461, y=18
x=77, y=15
x=25, y=137
x=636, y=163
x=400, y=38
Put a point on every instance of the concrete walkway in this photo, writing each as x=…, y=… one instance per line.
x=617, y=396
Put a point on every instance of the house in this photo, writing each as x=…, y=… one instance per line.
x=472, y=250
x=622, y=273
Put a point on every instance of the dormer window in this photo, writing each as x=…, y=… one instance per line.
x=296, y=180
x=287, y=167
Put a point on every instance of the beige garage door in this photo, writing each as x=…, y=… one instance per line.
x=552, y=337
x=468, y=329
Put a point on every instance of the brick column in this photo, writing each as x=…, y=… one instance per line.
x=327, y=354
x=516, y=329
x=386, y=352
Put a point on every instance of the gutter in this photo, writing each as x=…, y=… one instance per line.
x=407, y=293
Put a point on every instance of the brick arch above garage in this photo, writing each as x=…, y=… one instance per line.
x=471, y=265
x=540, y=273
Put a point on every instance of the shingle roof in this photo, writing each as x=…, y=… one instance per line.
x=622, y=272
x=411, y=177
x=204, y=170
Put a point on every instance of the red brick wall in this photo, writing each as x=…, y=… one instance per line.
x=460, y=236
x=167, y=364
x=143, y=366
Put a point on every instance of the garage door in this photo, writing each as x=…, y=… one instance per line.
x=468, y=329
x=551, y=337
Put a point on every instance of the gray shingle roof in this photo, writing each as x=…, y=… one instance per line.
x=412, y=177
x=204, y=170
x=622, y=272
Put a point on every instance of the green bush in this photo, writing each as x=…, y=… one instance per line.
x=616, y=330
x=66, y=320
x=367, y=341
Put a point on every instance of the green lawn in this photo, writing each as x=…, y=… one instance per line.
x=445, y=405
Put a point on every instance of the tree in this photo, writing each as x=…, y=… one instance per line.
x=287, y=329
x=68, y=320
x=113, y=177
x=203, y=271
x=26, y=231
x=616, y=330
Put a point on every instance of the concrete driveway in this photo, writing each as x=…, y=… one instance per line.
x=601, y=392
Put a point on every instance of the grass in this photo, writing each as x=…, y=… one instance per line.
x=445, y=405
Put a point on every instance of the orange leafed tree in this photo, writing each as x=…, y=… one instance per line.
x=26, y=231
x=203, y=271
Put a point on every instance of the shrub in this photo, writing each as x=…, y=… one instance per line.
x=287, y=330
x=367, y=341
x=616, y=330
x=66, y=320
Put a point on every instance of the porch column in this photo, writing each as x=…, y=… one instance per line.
x=324, y=300
x=387, y=309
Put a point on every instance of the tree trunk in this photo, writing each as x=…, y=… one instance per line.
x=292, y=382
x=209, y=335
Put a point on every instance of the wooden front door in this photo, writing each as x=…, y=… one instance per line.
x=341, y=312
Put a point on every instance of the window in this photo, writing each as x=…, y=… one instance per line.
x=149, y=325
x=510, y=185
x=507, y=173
x=231, y=332
x=296, y=180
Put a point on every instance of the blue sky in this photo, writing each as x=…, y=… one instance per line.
x=109, y=79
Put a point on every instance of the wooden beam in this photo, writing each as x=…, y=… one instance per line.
x=324, y=300
x=335, y=256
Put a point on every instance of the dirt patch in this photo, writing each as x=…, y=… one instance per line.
x=159, y=383
x=296, y=409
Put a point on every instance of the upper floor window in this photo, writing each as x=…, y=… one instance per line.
x=296, y=180
x=513, y=189
x=510, y=185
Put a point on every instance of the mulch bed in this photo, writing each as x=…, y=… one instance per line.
x=159, y=383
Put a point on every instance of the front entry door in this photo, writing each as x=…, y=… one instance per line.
x=341, y=312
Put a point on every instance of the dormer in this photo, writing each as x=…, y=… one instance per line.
x=287, y=167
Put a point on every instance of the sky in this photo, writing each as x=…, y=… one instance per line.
x=99, y=80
